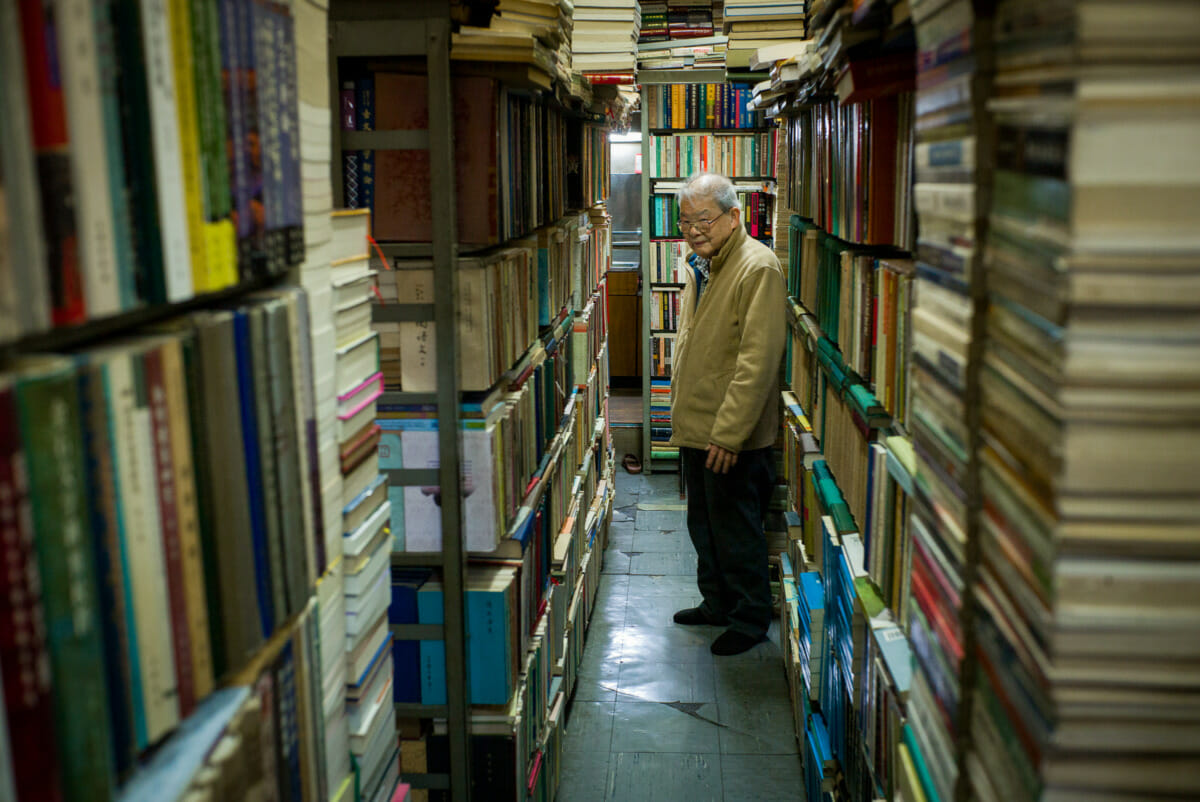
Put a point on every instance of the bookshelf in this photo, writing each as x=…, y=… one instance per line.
x=743, y=150
x=481, y=709
x=159, y=389
x=845, y=231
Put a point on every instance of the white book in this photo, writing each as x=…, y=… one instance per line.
x=168, y=158
x=350, y=230
x=94, y=223
x=366, y=608
x=366, y=533
x=357, y=361
x=143, y=548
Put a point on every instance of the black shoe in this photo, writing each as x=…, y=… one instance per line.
x=733, y=642
x=694, y=616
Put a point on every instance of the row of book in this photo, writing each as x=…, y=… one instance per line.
x=520, y=145
x=664, y=309
x=732, y=155
x=666, y=264
x=691, y=106
x=155, y=183
x=862, y=304
x=756, y=210
x=136, y=455
x=852, y=168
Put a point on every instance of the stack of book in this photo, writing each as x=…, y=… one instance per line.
x=147, y=186
x=700, y=106
x=694, y=51
x=667, y=261
x=334, y=298
x=605, y=36
x=754, y=24
x=1087, y=587
x=362, y=500
x=944, y=348
x=654, y=26
x=731, y=155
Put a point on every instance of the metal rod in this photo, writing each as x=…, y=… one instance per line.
x=445, y=237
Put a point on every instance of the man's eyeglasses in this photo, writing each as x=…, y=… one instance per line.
x=700, y=225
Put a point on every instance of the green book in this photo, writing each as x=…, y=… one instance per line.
x=48, y=407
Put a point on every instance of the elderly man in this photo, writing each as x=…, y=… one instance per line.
x=724, y=408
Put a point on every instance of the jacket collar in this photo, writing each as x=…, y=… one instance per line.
x=732, y=244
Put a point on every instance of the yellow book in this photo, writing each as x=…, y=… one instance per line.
x=710, y=105
x=909, y=782
x=189, y=142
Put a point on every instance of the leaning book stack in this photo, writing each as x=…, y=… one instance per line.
x=1091, y=397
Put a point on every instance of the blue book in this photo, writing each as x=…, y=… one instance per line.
x=406, y=654
x=288, y=724
x=490, y=640
x=433, y=652
x=258, y=514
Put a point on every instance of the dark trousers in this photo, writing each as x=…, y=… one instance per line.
x=725, y=520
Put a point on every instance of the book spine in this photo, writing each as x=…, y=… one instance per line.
x=262, y=570
x=364, y=120
x=350, y=158
x=233, y=135
x=52, y=146
x=203, y=270
x=164, y=486
x=24, y=293
x=191, y=559
x=110, y=101
x=137, y=145
x=268, y=486
x=105, y=516
x=173, y=210
x=293, y=192
x=251, y=219
x=23, y=654
x=77, y=65
x=267, y=83
x=220, y=241
x=49, y=416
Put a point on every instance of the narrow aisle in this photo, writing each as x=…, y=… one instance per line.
x=655, y=715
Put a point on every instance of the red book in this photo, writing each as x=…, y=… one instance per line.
x=52, y=145
x=23, y=657
x=610, y=77
x=403, y=211
x=164, y=468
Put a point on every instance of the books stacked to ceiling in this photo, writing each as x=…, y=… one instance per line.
x=365, y=512
x=531, y=32
x=1089, y=587
x=751, y=24
x=605, y=36
x=943, y=382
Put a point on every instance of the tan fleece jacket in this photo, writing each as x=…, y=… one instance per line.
x=725, y=376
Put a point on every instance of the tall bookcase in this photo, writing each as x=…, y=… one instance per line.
x=692, y=121
x=543, y=386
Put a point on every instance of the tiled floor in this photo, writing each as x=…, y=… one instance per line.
x=655, y=715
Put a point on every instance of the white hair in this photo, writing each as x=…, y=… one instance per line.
x=713, y=186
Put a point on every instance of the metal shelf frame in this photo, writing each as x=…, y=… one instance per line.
x=382, y=29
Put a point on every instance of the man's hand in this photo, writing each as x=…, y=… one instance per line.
x=719, y=459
